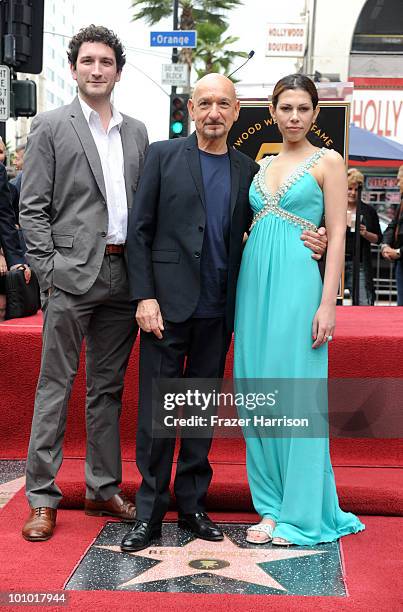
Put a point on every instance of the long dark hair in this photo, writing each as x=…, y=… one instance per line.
x=295, y=81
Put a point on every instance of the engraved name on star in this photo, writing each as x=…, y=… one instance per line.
x=240, y=563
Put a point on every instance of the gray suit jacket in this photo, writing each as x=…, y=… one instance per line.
x=63, y=209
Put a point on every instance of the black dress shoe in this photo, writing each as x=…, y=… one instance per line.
x=201, y=526
x=140, y=536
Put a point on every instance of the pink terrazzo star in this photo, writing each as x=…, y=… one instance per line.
x=230, y=561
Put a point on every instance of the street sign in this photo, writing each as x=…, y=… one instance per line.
x=175, y=74
x=175, y=38
x=4, y=93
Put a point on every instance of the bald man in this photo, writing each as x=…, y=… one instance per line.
x=185, y=241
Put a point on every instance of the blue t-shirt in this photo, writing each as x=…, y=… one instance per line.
x=216, y=173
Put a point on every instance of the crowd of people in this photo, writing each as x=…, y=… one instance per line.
x=370, y=233
x=119, y=244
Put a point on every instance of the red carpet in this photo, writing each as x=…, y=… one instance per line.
x=372, y=567
x=368, y=343
x=361, y=490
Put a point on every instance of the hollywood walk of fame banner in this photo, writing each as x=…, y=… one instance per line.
x=256, y=134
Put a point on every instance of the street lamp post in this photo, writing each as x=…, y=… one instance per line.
x=175, y=24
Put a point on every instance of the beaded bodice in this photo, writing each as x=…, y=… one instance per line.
x=271, y=201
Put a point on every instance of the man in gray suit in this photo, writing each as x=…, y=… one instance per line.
x=81, y=170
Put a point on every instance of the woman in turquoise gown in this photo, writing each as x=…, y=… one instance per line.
x=285, y=316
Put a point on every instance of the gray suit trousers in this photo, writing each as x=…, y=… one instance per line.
x=105, y=318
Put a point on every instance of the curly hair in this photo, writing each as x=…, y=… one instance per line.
x=354, y=177
x=93, y=33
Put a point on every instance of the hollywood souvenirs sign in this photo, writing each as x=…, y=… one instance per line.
x=286, y=39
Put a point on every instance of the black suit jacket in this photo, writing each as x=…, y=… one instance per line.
x=389, y=236
x=15, y=191
x=167, y=222
x=9, y=237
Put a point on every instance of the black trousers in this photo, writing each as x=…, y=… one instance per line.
x=195, y=348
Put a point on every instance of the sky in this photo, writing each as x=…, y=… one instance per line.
x=139, y=97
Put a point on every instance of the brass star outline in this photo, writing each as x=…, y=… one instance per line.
x=176, y=565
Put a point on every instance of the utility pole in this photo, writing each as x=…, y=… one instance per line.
x=175, y=50
x=2, y=22
x=305, y=16
x=178, y=111
x=8, y=50
x=311, y=44
x=21, y=49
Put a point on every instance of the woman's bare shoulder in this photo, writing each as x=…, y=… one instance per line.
x=264, y=160
x=333, y=159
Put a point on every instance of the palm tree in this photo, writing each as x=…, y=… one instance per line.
x=196, y=10
x=200, y=15
x=213, y=54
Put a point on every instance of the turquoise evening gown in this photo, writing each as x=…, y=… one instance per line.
x=279, y=291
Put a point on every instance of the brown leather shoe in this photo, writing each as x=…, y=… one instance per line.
x=40, y=524
x=117, y=506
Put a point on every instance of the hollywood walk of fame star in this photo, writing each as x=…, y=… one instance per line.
x=224, y=559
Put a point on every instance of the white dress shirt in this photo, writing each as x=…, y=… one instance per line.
x=110, y=150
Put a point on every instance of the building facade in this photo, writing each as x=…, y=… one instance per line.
x=55, y=86
x=362, y=41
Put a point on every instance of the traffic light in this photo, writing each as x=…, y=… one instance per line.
x=178, y=116
x=22, y=26
x=23, y=98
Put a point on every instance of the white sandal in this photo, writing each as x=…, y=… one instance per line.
x=281, y=542
x=265, y=528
